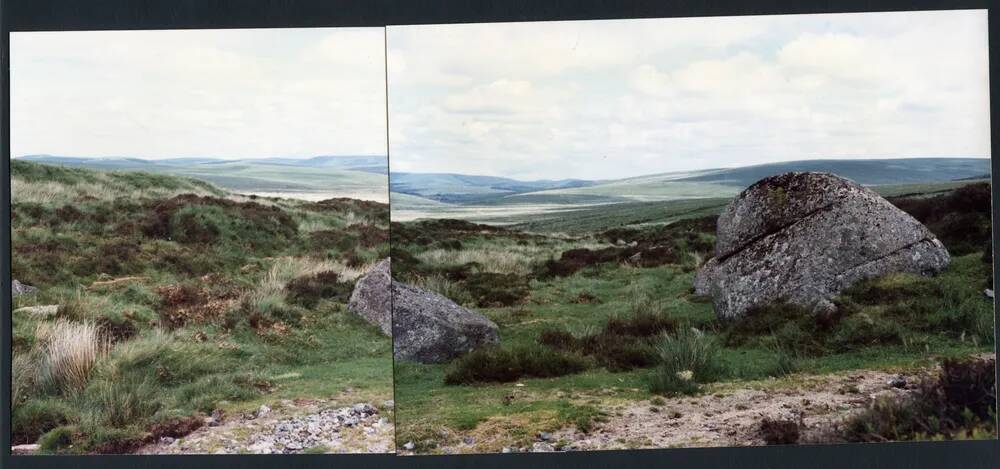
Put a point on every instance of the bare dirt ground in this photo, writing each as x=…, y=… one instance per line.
x=727, y=414
x=302, y=425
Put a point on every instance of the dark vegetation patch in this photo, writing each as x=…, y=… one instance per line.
x=649, y=247
x=370, y=236
x=490, y=290
x=429, y=232
x=779, y=432
x=34, y=418
x=960, y=403
x=801, y=332
x=192, y=219
x=624, y=343
x=190, y=303
x=375, y=211
x=961, y=218
x=307, y=291
x=503, y=365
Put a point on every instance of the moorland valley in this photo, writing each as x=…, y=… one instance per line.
x=576, y=315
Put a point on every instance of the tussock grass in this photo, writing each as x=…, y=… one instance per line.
x=70, y=352
x=687, y=357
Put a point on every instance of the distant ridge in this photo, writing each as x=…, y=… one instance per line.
x=708, y=183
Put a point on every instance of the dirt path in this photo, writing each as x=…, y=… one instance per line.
x=726, y=414
x=291, y=427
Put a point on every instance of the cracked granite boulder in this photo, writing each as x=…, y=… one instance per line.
x=804, y=237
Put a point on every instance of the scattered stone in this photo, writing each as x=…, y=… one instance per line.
x=38, y=311
x=409, y=446
x=19, y=450
x=545, y=436
x=263, y=411
x=540, y=447
x=17, y=289
x=898, y=382
x=988, y=292
x=371, y=298
x=429, y=328
x=779, y=432
x=804, y=237
x=468, y=440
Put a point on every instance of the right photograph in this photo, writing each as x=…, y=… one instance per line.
x=691, y=232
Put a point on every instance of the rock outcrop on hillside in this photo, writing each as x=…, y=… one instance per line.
x=371, y=298
x=429, y=328
x=805, y=237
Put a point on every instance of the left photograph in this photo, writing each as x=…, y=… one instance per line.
x=199, y=230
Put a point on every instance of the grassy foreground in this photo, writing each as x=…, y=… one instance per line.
x=607, y=316
x=163, y=299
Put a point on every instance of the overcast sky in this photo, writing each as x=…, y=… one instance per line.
x=604, y=99
x=222, y=93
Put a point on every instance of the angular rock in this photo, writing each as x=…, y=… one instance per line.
x=429, y=328
x=371, y=298
x=17, y=289
x=805, y=237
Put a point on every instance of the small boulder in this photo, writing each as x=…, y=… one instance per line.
x=21, y=450
x=17, y=289
x=803, y=238
x=429, y=328
x=43, y=311
x=371, y=298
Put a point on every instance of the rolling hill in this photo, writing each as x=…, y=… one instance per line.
x=345, y=176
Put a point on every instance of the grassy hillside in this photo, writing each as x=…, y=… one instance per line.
x=162, y=299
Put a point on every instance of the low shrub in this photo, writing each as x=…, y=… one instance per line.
x=502, y=365
x=35, y=417
x=56, y=439
x=123, y=400
x=624, y=343
x=490, y=289
x=307, y=291
x=779, y=432
x=687, y=357
x=959, y=402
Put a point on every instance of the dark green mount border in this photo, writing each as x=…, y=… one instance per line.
x=41, y=15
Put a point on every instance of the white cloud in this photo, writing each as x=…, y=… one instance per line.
x=225, y=93
x=601, y=99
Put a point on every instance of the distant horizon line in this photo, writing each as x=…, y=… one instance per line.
x=714, y=168
x=342, y=155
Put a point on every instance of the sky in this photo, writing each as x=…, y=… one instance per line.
x=608, y=99
x=199, y=93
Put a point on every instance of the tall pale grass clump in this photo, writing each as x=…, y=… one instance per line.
x=70, y=350
x=444, y=287
x=286, y=269
x=507, y=261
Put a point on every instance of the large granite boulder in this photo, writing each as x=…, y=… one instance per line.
x=805, y=237
x=429, y=328
x=17, y=289
x=371, y=298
